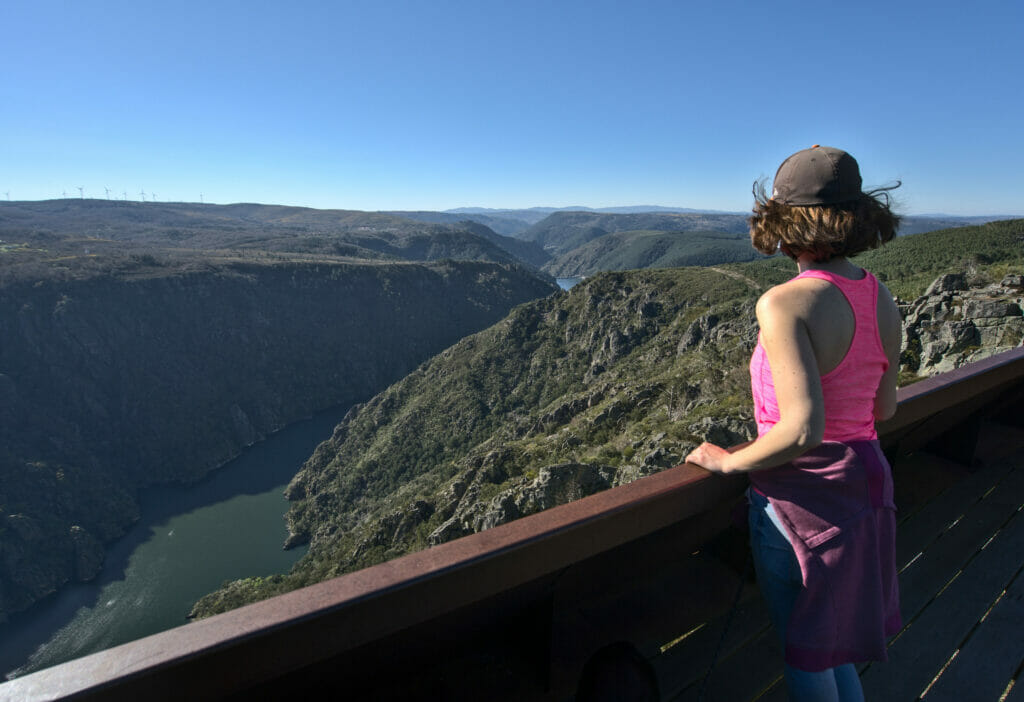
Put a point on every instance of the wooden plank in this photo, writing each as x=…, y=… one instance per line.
x=988, y=660
x=920, y=651
x=743, y=676
x=686, y=663
x=1016, y=692
x=926, y=576
x=929, y=522
x=776, y=693
x=919, y=478
x=999, y=440
x=642, y=595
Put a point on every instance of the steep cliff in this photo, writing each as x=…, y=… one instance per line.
x=955, y=323
x=110, y=382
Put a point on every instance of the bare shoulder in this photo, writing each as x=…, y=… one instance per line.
x=772, y=300
x=790, y=299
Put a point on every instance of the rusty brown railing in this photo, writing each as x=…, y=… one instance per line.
x=525, y=610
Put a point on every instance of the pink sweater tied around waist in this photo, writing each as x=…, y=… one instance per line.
x=837, y=506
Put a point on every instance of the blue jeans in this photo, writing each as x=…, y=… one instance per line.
x=780, y=581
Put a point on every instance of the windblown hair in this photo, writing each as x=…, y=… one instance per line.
x=825, y=231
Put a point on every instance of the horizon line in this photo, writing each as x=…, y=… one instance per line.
x=477, y=209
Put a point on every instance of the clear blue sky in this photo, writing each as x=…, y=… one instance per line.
x=435, y=104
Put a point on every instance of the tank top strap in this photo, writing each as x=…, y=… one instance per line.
x=862, y=296
x=849, y=388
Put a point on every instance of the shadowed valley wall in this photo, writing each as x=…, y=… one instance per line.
x=111, y=383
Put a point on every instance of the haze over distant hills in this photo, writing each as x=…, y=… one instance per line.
x=559, y=241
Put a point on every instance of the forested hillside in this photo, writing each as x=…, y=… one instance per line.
x=562, y=232
x=621, y=251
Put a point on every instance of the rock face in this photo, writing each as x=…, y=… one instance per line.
x=108, y=384
x=954, y=323
x=553, y=485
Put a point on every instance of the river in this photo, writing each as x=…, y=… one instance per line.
x=188, y=541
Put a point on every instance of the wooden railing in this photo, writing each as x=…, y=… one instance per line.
x=545, y=607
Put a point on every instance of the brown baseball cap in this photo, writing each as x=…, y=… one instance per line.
x=820, y=175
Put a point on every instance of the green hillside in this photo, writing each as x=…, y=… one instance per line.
x=584, y=243
x=562, y=232
x=577, y=392
x=652, y=249
x=987, y=251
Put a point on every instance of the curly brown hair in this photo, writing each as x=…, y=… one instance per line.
x=825, y=231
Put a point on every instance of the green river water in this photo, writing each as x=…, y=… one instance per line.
x=188, y=542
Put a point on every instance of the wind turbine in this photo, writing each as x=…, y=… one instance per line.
x=81, y=195
x=152, y=197
x=8, y=194
x=200, y=198
x=126, y=196
x=143, y=194
x=107, y=191
x=64, y=193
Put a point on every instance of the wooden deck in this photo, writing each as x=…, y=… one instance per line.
x=960, y=545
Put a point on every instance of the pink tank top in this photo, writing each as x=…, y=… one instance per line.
x=850, y=388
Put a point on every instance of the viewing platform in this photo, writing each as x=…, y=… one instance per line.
x=624, y=595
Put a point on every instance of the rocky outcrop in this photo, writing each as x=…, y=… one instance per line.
x=110, y=383
x=552, y=485
x=955, y=323
x=710, y=329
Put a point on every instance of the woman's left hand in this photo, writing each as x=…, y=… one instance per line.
x=709, y=456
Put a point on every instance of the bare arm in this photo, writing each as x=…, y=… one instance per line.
x=890, y=330
x=798, y=391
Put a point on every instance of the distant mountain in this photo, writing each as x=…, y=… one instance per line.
x=584, y=243
x=494, y=229
x=99, y=224
x=652, y=249
x=919, y=224
x=528, y=251
x=532, y=215
x=506, y=225
x=92, y=226
x=532, y=212
x=561, y=232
